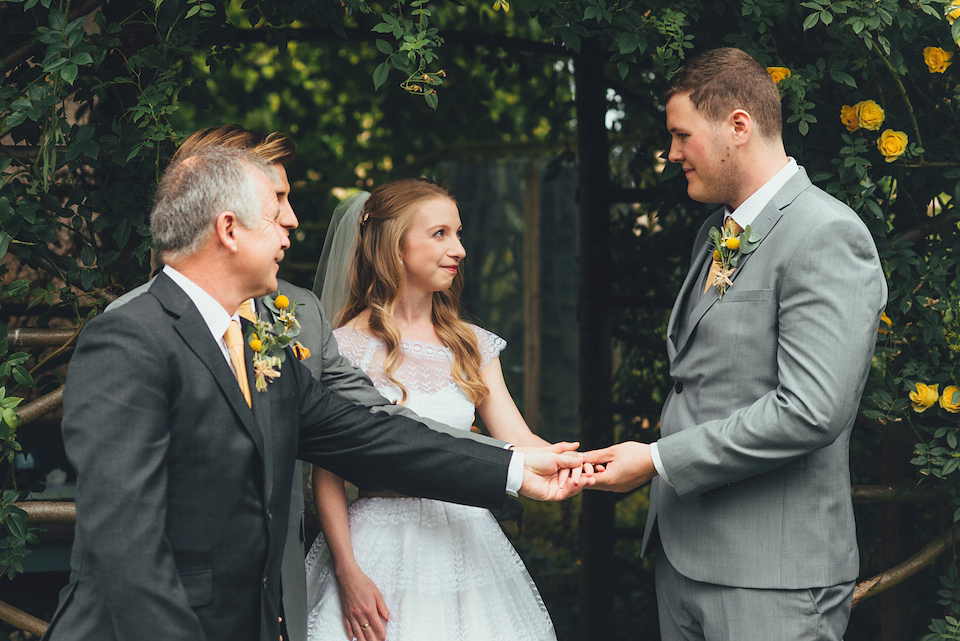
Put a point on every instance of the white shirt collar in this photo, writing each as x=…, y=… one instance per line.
x=213, y=313
x=749, y=209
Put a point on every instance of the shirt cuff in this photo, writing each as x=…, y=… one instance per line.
x=658, y=464
x=515, y=473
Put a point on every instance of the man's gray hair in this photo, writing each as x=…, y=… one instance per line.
x=195, y=190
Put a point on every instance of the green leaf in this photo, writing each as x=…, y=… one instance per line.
x=384, y=47
x=811, y=21
x=380, y=74
x=69, y=73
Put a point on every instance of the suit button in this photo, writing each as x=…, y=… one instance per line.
x=678, y=387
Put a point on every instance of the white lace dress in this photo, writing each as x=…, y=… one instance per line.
x=446, y=571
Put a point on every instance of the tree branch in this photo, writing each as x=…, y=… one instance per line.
x=41, y=513
x=21, y=620
x=864, y=494
x=895, y=575
x=27, y=337
x=35, y=409
x=27, y=50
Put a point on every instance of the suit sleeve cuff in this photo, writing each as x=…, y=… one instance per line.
x=515, y=473
x=658, y=464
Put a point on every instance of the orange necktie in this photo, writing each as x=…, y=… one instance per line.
x=246, y=310
x=233, y=337
x=729, y=225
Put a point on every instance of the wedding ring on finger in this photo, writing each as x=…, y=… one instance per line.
x=365, y=627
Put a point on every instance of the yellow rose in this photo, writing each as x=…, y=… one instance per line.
x=778, y=73
x=924, y=396
x=953, y=11
x=733, y=243
x=848, y=116
x=869, y=114
x=885, y=320
x=937, y=59
x=716, y=253
x=892, y=144
x=300, y=351
x=281, y=301
x=950, y=399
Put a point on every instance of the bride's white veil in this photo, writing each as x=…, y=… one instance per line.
x=332, y=282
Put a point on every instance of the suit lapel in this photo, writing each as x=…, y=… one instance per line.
x=260, y=402
x=191, y=327
x=764, y=223
x=690, y=290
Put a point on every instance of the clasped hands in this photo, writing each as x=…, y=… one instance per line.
x=558, y=471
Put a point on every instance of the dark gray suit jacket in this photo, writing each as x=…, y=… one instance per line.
x=767, y=382
x=183, y=491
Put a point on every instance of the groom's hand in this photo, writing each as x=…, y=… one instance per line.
x=550, y=475
x=622, y=467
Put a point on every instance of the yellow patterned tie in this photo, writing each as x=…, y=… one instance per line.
x=729, y=225
x=246, y=310
x=233, y=337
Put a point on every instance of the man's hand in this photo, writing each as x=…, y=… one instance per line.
x=621, y=467
x=553, y=476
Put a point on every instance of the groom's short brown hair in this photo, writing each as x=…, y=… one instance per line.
x=725, y=79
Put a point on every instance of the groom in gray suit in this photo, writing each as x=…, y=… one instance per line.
x=750, y=508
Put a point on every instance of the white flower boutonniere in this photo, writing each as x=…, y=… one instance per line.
x=268, y=339
x=728, y=248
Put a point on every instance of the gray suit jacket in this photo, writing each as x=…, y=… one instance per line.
x=183, y=491
x=767, y=381
x=328, y=366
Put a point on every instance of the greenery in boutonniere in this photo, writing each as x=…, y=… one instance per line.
x=728, y=249
x=268, y=339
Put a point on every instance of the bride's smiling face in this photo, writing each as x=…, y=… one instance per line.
x=430, y=249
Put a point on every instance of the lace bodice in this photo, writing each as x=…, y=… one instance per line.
x=426, y=371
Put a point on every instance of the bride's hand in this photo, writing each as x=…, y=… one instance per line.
x=363, y=607
x=559, y=448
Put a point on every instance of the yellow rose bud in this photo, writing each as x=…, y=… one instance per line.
x=924, y=396
x=885, y=320
x=848, y=116
x=733, y=243
x=937, y=59
x=716, y=254
x=892, y=144
x=869, y=114
x=300, y=351
x=950, y=399
x=255, y=343
x=281, y=302
x=778, y=73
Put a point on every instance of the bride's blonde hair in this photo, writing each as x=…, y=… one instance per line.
x=378, y=278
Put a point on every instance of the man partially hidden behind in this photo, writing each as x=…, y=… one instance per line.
x=184, y=468
x=750, y=509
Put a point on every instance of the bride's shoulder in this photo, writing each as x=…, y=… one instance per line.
x=489, y=344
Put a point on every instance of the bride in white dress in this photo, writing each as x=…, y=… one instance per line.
x=408, y=569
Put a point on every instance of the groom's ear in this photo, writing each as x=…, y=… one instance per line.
x=741, y=126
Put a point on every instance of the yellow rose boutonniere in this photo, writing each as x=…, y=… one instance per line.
x=778, y=73
x=924, y=396
x=950, y=399
x=268, y=339
x=869, y=114
x=892, y=144
x=728, y=249
x=848, y=116
x=937, y=59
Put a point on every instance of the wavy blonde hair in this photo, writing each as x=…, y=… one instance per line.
x=378, y=280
